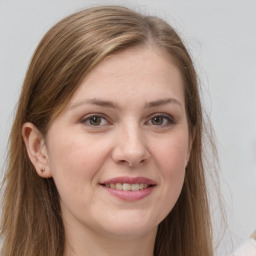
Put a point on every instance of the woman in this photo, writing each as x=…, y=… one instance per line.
x=105, y=152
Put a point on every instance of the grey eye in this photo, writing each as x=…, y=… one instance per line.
x=157, y=120
x=95, y=120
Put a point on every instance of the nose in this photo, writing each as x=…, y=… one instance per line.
x=130, y=148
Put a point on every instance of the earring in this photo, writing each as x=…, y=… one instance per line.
x=42, y=170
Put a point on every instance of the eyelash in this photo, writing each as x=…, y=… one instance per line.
x=167, y=119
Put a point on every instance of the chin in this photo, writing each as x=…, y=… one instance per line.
x=125, y=232
x=130, y=227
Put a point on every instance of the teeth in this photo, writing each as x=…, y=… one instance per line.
x=127, y=187
x=135, y=187
x=119, y=186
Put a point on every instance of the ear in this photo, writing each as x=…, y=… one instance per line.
x=36, y=149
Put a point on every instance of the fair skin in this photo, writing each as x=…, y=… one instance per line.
x=126, y=123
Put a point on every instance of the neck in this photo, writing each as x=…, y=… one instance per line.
x=94, y=244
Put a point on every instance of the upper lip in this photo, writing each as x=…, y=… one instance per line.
x=129, y=180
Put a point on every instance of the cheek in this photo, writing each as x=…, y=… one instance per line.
x=74, y=161
x=171, y=158
x=171, y=154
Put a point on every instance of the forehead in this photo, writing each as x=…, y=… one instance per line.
x=132, y=73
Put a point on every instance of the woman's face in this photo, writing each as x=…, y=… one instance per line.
x=119, y=150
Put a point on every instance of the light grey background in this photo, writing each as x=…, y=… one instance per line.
x=221, y=36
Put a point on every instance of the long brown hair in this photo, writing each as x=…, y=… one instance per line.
x=31, y=216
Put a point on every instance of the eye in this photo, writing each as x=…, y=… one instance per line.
x=161, y=120
x=95, y=120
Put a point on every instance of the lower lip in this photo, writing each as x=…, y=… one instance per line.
x=130, y=195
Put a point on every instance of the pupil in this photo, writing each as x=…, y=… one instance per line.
x=95, y=120
x=157, y=120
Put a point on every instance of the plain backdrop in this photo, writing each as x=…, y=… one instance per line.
x=221, y=36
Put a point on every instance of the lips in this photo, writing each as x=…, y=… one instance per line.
x=128, y=188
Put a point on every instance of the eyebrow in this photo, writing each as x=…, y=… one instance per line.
x=110, y=104
x=162, y=102
x=94, y=101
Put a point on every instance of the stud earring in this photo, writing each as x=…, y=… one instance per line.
x=43, y=170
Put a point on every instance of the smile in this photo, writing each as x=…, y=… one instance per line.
x=127, y=187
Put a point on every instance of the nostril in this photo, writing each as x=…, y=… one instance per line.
x=123, y=162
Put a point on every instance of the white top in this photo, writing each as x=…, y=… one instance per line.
x=248, y=248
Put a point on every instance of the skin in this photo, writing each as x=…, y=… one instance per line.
x=126, y=119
